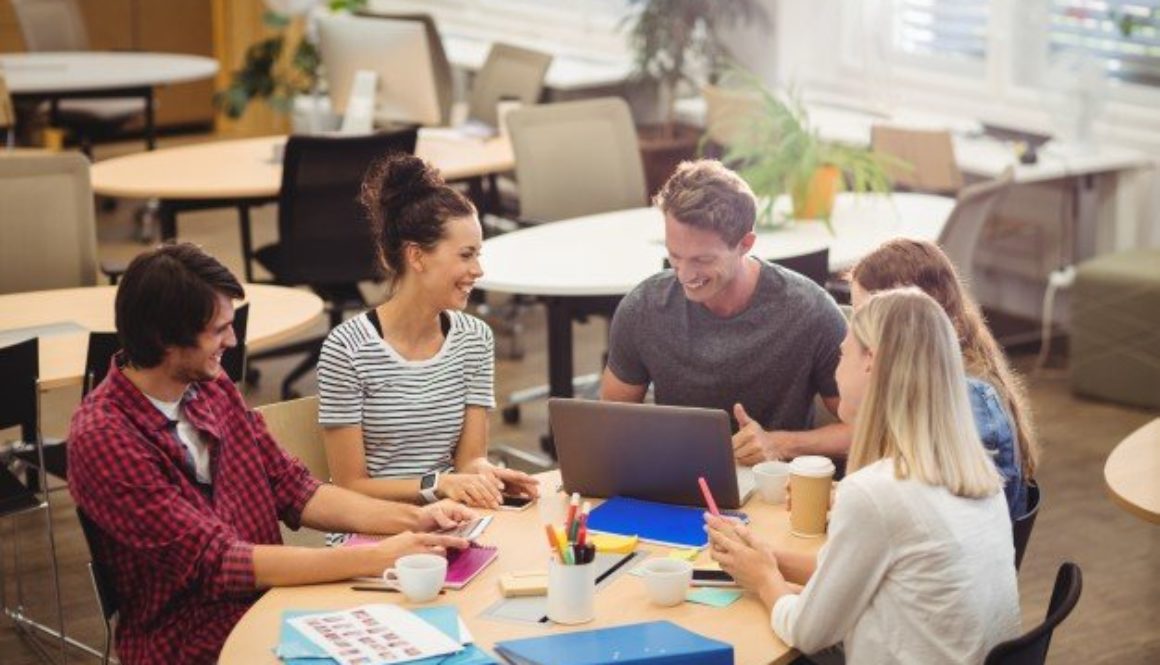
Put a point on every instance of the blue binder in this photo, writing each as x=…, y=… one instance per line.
x=661, y=523
x=659, y=642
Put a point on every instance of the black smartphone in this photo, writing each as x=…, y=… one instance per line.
x=515, y=502
x=702, y=577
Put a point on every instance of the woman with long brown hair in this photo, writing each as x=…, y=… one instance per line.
x=998, y=398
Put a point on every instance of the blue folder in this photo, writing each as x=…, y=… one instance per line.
x=294, y=648
x=662, y=523
x=659, y=642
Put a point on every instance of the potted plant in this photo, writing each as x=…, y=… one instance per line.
x=670, y=41
x=779, y=153
x=272, y=72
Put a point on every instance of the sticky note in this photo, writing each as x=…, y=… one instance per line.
x=605, y=542
x=684, y=555
x=708, y=565
x=714, y=597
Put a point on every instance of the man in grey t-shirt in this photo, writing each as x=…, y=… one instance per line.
x=725, y=330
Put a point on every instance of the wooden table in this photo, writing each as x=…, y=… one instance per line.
x=1132, y=473
x=243, y=173
x=520, y=537
x=63, y=319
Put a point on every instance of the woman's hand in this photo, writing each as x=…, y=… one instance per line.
x=750, y=561
x=512, y=482
x=474, y=489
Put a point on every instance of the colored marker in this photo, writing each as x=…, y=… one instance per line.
x=573, y=505
x=553, y=542
x=708, y=496
x=582, y=530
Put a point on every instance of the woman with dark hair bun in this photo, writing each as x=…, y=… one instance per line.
x=404, y=388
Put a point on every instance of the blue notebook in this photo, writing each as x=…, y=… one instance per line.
x=654, y=642
x=661, y=523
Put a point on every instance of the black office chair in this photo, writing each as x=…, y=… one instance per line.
x=102, y=578
x=1021, y=527
x=324, y=239
x=815, y=265
x=19, y=407
x=1031, y=648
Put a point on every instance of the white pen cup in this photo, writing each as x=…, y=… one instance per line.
x=419, y=576
x=667, y=580
x=571, y=592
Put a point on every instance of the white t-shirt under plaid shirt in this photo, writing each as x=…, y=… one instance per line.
x=411, y=411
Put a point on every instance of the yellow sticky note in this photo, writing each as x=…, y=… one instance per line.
x=684, y=555
x=708, y=565
x=607, y=542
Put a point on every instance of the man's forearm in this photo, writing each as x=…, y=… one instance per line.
x=829, y=440
x=337, y=509
x=281, y=565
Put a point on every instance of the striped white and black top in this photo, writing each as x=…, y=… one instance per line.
x=411, y=411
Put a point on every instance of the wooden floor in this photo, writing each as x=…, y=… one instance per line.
x=1117, y=620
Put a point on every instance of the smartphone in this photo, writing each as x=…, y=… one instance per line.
x=702, y=577
x=515, y=502
x=469, y=530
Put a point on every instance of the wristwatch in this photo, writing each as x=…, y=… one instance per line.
x=427, y=485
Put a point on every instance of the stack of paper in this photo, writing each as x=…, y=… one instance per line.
x=374, y=634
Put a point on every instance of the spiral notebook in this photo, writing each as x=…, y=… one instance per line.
x=464, y=565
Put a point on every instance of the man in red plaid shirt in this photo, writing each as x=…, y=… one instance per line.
x=186, y=485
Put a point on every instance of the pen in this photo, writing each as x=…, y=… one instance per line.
x=377, y=587
x=708, y=496
x=572, y=506
x=553, y=542
x=582, y=530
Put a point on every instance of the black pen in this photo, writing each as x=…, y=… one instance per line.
x=376, y=587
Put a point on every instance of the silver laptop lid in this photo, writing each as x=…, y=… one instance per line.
x=644, y=451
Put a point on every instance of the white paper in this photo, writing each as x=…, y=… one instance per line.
x=374, y=634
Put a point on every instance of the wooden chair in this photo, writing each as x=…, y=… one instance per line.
x=294, y=425
x=931, y=155
x=1031, y=648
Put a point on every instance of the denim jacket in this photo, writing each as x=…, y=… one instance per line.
x=997, y=431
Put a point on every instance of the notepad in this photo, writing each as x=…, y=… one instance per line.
x=660, y=523
x=652, y=642
x=464, y=565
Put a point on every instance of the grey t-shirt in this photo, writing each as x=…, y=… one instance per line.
x=772, y=357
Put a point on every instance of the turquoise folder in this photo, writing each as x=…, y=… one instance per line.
x=661, y=523
x=659, y=642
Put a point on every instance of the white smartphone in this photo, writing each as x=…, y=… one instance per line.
x=469, y=530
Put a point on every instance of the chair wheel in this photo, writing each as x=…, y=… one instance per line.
x=511, y=414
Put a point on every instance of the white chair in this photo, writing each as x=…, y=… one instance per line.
x=58, y=25
x=294, y=425
x=576, y=158
x=974, y=206
x=509, y=72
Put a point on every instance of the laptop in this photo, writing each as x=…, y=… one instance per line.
x=645, y=451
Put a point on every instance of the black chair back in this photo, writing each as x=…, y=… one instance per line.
x=102, y=347
x=324, y=235
x=1031, y=648
x=234, y=360
x=19, y=372
x=1023, y=524
x=102, y=576
x=815, y=265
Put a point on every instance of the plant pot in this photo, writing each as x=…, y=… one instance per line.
x=814, y=199
x=661, y=154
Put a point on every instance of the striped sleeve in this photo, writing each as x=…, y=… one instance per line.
x=340, y=401
x=480, y=368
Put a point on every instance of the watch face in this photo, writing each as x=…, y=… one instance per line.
x=427, y=482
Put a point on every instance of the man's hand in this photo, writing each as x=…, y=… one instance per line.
x=749, y=443
x=474, y=489
x=442, y=515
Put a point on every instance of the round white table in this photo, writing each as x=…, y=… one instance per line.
x=583, y=266
x=63, y=318
x=54, y=76
x=243, y=173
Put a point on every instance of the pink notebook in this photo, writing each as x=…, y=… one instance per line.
x=462, y=565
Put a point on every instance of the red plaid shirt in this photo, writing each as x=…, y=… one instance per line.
x=181, y=555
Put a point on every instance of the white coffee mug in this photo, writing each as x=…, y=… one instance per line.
x=419, y=576
x=771, y=478
x=667, y=580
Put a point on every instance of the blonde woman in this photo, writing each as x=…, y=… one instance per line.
x=919, y=567
x=998, y=399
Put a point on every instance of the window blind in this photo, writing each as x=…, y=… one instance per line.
x=953, y=31
x=1123, y=34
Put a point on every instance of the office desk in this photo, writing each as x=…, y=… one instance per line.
x=63, y=319
x=584, y=266
x=93, y=74
x=520, y=537
x=1132, y=473
x=244, y=173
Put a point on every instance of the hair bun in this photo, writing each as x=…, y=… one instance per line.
x=407, y=178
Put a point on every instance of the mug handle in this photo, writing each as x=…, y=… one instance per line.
x=391, y=578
